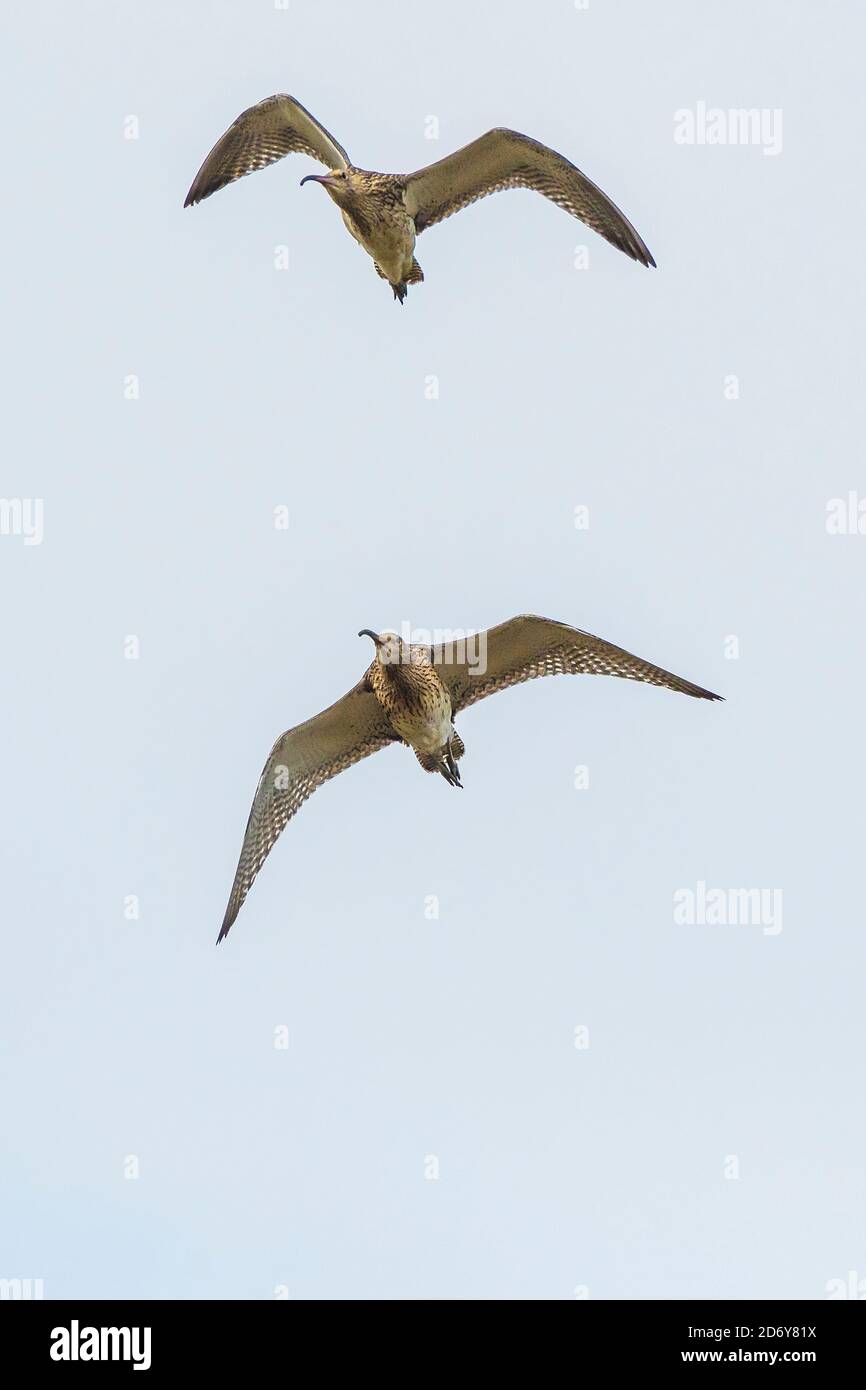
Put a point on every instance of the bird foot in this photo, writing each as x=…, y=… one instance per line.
x=450, y=771
x=400, y=291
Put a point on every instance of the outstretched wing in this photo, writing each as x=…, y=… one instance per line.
x=277, y=126
x=526, y=647
x=299, y=762
x=505, y=159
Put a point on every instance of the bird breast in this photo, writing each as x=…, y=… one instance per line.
x=427, y=729
x=387, y=233
x=417, y=705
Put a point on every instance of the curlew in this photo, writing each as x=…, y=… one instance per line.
x=410, y=694
x=386, y=212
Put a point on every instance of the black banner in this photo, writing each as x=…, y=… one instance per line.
x=159, y=1337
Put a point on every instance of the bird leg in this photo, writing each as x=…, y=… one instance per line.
x=450, y=777
x=442, y=762
x=450, y=770
x=400, y=291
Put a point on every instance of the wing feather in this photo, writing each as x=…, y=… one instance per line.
x=506, y=159
x=299, y=762
x=264, y=133
x=526, y=647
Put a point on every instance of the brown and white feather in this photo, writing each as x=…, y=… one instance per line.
x=504, y=159
x=301, y=760
x=527, y=647
x=260, y=136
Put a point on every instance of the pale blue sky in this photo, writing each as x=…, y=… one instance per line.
x=558, y=1167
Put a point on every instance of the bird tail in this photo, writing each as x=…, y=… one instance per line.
x=416, y=274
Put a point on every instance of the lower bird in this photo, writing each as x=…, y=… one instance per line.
x=410, y=694
x=386, y=212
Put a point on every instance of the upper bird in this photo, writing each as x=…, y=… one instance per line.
x=385, y=212
x=410, y=694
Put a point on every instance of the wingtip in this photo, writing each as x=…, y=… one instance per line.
x=698, y=692
x=643, y=255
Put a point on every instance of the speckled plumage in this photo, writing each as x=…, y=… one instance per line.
x=414, y=699
x=386, y=212
x=410, y=694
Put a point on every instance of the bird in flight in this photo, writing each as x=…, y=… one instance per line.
x=386, y=212
x=410, y=694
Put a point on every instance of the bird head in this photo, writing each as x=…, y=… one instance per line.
x=390, y=650
x=341, y=184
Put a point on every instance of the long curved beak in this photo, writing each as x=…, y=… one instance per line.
x=315, y=178
x=368, y=632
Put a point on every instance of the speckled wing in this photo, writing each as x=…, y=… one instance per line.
x=526, y=647
x=300, y=761
x=505, y=159
x=277, y=126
